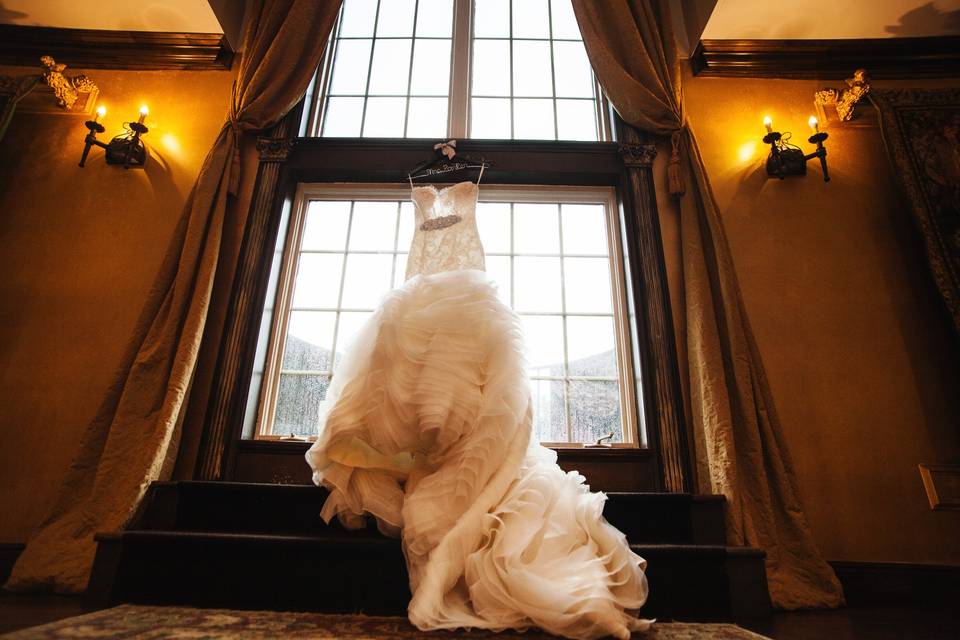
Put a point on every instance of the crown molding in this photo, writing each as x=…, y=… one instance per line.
x=103, y=49
x=882, y=57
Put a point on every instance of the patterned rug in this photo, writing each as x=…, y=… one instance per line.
x=134, y=621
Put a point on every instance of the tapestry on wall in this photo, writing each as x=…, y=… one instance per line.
x=921, y=130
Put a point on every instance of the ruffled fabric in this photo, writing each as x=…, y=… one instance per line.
x=427, y=427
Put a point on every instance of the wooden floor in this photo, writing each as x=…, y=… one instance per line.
x=893, y=623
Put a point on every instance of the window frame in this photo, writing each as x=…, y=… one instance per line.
x=632, y=419
x=459, y=94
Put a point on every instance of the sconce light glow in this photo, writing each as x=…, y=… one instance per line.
x=768, y=123
x=814, y=124
x=747, y=150
x=144, y=111
x=101, y=111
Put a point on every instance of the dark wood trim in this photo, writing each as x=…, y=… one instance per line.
x=872, y=584
x=660, y=372
x=102, y=49
x=225, y=455
x=615, y=469
x=239, y=341
x=881, y=57
x=9, y=552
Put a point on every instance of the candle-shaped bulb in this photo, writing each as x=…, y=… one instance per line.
x=143, y=113
x=768, y=123
x=101, y=111
x=814, y=124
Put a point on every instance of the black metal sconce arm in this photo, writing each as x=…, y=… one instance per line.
x=786, y=159
x=126, y=149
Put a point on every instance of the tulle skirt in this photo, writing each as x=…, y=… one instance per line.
x=427, y=427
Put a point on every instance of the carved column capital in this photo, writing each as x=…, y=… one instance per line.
x=638, y=155
x=274, y=149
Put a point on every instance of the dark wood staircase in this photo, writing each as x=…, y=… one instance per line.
x=264, y=546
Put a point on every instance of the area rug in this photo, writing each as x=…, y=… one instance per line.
x=921, y=131
x=140, y=622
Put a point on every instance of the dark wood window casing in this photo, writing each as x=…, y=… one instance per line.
x=287, y=160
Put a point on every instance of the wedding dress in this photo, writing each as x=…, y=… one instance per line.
x=427, y=427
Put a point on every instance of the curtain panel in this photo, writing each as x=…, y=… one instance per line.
x=133, y=440
x=631, y=46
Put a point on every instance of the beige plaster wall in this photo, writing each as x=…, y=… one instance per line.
x=864, y=371
x=79, y=251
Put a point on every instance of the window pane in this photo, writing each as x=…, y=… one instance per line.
x=396, y=18
x=367, y=279
x=309, y=341
x=564, y=20
x=573, y=73
x=358, y=16
x=536, y=228
x=350, y=67
x=374, y=226
x=584, y=229
x=298, y=404
x=493, y=221
x=594, y=411
x=405, y=232
x=431, y=68
x=343, y=117
x=491, y=19
x=427, y=118
x=533, y=119
x=498, y=269
x=543, y=339
x=591, y=347
x=537, y=284
x=549, y=410
x=531, y=69
x=576, y=120
x=384, y=117
x=435, y=18
x=491, y=60
x=587, y=283
x=326, y=226
x=391, y=67
x=350, y=324
x=490, y=118
x=531, y=19
x=400, y=270
x=318, y=280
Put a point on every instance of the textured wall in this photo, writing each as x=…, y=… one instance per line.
x=79, y=250
x=857, y=349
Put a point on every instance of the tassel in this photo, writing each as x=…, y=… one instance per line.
x=674, y=170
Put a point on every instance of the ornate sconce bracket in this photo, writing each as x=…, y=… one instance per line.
x=839, y=105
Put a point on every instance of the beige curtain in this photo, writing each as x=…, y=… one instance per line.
x=133, y=440
x=631, y=47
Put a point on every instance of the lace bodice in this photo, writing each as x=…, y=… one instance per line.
x=446, y=236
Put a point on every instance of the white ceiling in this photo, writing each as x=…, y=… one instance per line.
x=829, y=19
x=191, y=16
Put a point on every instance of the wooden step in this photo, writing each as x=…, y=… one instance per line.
x=368, y=574
x=656, y=518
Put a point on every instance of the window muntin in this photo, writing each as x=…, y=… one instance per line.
x=461, y=68
x=549, y=250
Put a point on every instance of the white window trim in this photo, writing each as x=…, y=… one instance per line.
x=460, y=88
x=307, y=192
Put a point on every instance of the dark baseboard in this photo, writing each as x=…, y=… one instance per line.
x=881, y=57
x=870, y=584
x=102, y=49
x=9, y=552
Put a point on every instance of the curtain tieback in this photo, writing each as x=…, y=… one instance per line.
x=234, y=185
x=674, y=170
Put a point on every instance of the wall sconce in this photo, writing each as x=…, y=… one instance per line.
x=787, y=159
x=126, y=149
